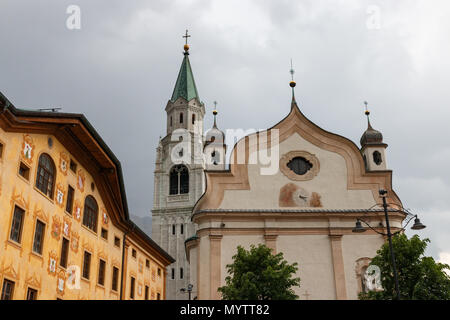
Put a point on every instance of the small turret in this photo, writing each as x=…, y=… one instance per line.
x=215, y=147
x=372, y=147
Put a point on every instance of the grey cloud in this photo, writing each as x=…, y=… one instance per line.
x=120, y=69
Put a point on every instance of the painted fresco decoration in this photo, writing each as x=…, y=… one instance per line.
x=61, y=282
x=66, y=227
x=140, y=289
x=81, y=179
x=56, y=228
x=60, y=195
x=153, y=274
x=141, y=266
x=75, y=241
x=52, y=259
x=292, y=195
x=104, y=217
x=27, y=148
x=63, y=161
x=77, y=211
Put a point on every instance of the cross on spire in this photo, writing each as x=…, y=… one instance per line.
x=186, y=36
x=215, y=113
x=292, y=71
x=367, y=112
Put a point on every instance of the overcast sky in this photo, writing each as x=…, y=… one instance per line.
x=120, y=68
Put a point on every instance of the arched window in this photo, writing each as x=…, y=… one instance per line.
x=45, y=179
x=377, y=158
x=179, y=180
x=90, y=215
x=181, y=117
x=193, y=118
x=170, y=120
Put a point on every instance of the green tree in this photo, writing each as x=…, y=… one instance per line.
x=258, y=274
x=419, y=277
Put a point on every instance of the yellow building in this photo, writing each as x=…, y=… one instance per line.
x=65, y=231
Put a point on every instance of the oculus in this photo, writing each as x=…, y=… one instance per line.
x=299, y=165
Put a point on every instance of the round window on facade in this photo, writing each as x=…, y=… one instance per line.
x=299, y=165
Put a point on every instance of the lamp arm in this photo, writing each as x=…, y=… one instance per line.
x=383, y=234
x=406, y=224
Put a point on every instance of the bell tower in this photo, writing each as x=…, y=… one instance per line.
x=179, y=176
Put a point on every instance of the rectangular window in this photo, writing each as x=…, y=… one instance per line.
x=101, y=272
x=181, y=273
x=146, y=292
x=173, y=273
x=159, y=272
x=64, y=253
x=173, y=229
x=86, y=265
x=31, y=294
x=73, y=166
x=104, y=234
x=132, y=283
x=38, y=237
x=147, y=263
x=7, y=290
x=69, y=203
x=181, y=229
x=17, y=223
x=117, y=242
x=115, y=278
x=24, y=171
x=133, y=253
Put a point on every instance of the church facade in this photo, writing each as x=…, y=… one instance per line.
x=306, y=208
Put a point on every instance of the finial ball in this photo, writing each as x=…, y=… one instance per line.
x=186, y=47
x=292, y=84
x=367, y=112
x=215, y=112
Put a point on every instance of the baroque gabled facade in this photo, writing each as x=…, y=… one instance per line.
x=306, y=208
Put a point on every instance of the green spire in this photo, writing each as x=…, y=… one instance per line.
x=185, y=86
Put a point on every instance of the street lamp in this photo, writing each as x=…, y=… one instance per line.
x=416, y=226
x=189, y=290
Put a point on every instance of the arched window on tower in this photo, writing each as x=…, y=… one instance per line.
x=193, y=118
x=179, y=180
x=181, y=117
x=171, y=121
x=45, y=178
x=377, y=158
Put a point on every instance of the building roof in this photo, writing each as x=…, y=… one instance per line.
x=185, y=85
x=371, y=136
x=76, y=131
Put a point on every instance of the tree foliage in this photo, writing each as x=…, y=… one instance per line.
x=258, y=274
x=420, y=277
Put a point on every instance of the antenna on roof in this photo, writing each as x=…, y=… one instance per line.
x=50, y=109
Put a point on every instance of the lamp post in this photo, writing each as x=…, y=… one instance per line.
x=417, y=226
x=189, y=290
